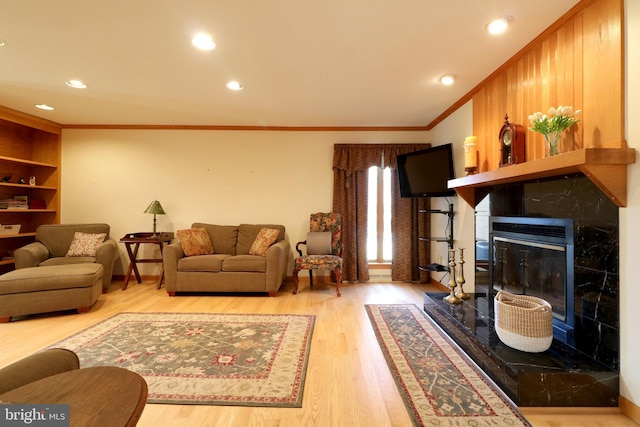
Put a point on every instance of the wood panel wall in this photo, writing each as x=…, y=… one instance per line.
x=578, y=61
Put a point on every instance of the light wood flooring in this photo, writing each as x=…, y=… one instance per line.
x=348, y=382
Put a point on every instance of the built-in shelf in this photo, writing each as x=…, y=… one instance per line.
x=26, y=162
x=606, y=167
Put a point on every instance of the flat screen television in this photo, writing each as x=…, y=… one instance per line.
x=425, y=173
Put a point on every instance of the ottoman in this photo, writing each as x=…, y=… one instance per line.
x=49, y=288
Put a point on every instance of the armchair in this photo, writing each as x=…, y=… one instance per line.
x=321, y=256
x=37, y=366
x=54, y=240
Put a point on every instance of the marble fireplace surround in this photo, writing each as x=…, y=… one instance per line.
x=582, y=375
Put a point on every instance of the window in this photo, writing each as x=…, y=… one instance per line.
x=379, y=213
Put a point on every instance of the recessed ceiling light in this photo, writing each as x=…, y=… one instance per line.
x=76, y=84
x=44, y=107
x=233, y=85
x=499, y=25
x=203, y=41
x=447, y=80
x=2, y=43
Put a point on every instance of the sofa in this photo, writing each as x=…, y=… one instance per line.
x=53, y=244
x=227, y=261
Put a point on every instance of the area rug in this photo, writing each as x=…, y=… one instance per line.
x=204, y=358
x=438, y=383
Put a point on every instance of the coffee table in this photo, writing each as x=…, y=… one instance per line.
x=99, y=396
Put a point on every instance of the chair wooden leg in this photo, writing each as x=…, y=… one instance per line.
x=338, y=280
x=295, y=282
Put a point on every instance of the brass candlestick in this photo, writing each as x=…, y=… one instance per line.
x=460, y=280
x=452, y=298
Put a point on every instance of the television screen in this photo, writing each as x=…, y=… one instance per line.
x=425, y=173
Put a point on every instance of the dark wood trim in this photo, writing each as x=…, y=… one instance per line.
x=251, y=128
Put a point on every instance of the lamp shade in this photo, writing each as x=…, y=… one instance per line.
x=155, y=208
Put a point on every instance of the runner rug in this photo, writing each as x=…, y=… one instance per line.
x=204, y=358
x=438, y=383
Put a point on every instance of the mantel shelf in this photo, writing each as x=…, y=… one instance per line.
x=606, y=167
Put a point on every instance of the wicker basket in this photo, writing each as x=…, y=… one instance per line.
x=523, y=322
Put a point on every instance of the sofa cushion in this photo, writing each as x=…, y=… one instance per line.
x=66, y=260
x=85, y=244
x=223, y=237
x=265, y=238
x=211, y=263
x=247, y=234
x=195, y=241
x=37, y=279
x=245, y=263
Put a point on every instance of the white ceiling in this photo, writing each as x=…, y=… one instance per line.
x=302, y=63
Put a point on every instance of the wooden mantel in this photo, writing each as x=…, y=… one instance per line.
x=606, y=167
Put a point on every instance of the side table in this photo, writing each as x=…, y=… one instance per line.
x=135, y=240
x=98, y=396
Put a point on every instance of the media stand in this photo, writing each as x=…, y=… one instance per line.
x=448, y=238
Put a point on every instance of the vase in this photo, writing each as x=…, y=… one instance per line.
x=551, y=141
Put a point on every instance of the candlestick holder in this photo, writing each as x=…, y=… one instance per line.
x=452, y=298
x=460, y=280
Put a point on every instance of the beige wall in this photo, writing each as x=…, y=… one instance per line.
x=630, y=227
x=221, y=177
x=454, y=129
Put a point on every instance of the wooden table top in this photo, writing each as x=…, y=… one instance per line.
x=101, y=396
x=146, y=237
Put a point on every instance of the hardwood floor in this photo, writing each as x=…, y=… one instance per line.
x=348, y=382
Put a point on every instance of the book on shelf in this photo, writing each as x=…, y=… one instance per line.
x=14, y=204
x=6, y=229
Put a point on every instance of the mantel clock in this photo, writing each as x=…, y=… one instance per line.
x=511, y=138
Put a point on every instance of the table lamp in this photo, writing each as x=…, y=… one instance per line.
x=154, y=208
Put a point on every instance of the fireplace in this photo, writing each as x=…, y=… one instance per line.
x=558, y=239
x=535, y=256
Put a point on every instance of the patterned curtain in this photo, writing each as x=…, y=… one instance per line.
x=351, y=163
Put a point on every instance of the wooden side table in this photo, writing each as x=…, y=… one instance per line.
x=135, y=240
x=98, y=396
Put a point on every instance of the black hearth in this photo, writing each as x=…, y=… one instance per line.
x=561, y=376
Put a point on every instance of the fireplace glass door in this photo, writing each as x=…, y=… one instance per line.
x=534, y=256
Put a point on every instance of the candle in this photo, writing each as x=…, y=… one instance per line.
x=470, y=152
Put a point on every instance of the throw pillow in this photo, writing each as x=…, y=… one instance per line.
x=85, y=244
x=265, y=238
x=195, y=241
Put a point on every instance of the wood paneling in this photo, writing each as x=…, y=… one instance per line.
x=578, y=63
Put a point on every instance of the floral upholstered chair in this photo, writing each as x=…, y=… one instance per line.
x=324, y=248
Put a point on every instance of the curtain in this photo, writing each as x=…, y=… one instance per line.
x=351, y=163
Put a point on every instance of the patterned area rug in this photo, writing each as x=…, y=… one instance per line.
x=439, y=384
x=203, y=358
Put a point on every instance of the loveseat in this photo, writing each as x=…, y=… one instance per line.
x=230, y=263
